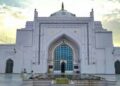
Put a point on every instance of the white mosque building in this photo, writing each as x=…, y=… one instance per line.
x=61, y=41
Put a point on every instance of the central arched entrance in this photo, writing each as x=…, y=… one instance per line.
x=63, y=58
x=63, y=49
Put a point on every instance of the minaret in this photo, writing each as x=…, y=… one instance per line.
x=92, y=14
x=62, y=7
x=35, y=14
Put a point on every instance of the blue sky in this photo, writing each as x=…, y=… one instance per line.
x=14, y=13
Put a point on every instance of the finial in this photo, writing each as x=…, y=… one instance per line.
x=35, y=13
x=92, y=13
x=35, y=10
x=62, y=6
x=92, y=10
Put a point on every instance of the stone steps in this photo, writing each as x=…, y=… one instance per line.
x=94, y=83
x=42, y=83
x=75, y=83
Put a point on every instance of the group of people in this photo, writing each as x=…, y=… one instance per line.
x=25, y=76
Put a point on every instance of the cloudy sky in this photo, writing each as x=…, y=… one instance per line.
x=14, y=13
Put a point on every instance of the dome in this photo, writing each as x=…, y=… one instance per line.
x=63, y=13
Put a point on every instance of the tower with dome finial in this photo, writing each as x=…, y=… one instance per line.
x=35, y=14
x=92, y=14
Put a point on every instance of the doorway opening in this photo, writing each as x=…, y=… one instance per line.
x=117, y=67
x=9, y=66
x=63, y=67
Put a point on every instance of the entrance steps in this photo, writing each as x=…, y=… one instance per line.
x=42, y=83
x=73, y=80
x=36, y=83
x=75, y=83
x=94, y=83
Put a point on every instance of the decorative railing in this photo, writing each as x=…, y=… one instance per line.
x=71, y=77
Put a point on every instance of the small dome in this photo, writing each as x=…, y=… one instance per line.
x=63, y=13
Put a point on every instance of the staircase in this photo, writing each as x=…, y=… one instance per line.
x=42, y=83
x=75, y=83
x=94, y=83
x=74, y=80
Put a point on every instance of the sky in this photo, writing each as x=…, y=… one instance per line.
x=14, y=14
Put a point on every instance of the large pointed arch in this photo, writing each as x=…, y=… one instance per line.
x=58, y=41
x=64, y=36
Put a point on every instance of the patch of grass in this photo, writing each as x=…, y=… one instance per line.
x=62, y=81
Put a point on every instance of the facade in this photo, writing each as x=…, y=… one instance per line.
x=61, y=43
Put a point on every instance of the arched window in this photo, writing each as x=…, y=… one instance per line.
x=117, y=67
x=63, y=52
x=9, y=66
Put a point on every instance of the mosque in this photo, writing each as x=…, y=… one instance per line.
x=60, y=43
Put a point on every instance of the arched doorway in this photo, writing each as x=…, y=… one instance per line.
x=9, y=66
x=63, y=52
x=117, y=67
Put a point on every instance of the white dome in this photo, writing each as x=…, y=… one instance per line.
x=62, y=13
